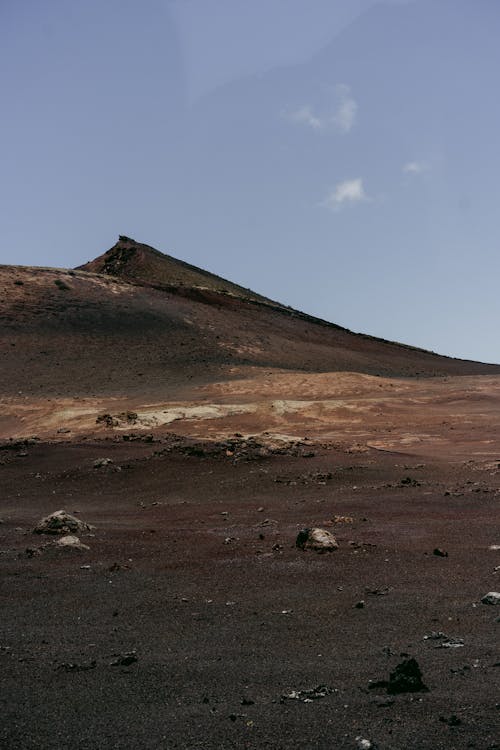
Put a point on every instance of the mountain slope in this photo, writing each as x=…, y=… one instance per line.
x=175, y=344
x=79, y=333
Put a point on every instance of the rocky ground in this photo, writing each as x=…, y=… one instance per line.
x=194, y=430
x=194, y=621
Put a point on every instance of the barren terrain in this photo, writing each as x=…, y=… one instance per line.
x=231, y=423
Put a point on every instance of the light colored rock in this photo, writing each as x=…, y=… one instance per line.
x=99, y=462
x=71, y=542
x=492, y=597
x=319, y=540
x=61, y=522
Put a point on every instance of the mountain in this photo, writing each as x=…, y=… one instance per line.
x=136, y=328
x=140, y=263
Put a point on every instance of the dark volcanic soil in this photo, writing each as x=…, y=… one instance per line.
x=193, y=584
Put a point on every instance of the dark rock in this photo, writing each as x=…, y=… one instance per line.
x=406, y=678
x=439, y=552
x=125, y=660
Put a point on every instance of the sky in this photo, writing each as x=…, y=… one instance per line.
x=340, y=156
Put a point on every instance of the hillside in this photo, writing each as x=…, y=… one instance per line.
x=157, y=332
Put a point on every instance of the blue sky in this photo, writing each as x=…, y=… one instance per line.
x=341, y=157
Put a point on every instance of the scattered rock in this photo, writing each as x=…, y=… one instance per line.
x=307, y=696
x=61, y=522
x=439, y=552
x=319, y=540
x=492, y=597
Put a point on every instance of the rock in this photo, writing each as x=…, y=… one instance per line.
x=319, y=540
x=445, y=641
x=439, y=552
x=100, y=462
x=406, y=678
x=307, y=696
x=492, y=597
x=125, y=660
x=364, y=744
x=71, y=542
x=360, y=604
x=61, y=522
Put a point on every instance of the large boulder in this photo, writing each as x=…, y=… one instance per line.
x=319, y=540
x=61, y=522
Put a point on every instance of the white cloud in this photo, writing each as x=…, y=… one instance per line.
x=346, y=111
x=349, y=191
x=305, y=115
x=415, y=167
x=342, y=118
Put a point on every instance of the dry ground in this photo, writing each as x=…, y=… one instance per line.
x=231, y=424
x=193, y=567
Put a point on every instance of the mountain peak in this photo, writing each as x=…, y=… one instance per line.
x=143, y=264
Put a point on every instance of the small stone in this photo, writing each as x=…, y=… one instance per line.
x=125, y=660
x=71, y=542
x=440, y=552
x=364, y=744
x=100, y=462
x=360, y=604
x=492, y=597
x=319, y=540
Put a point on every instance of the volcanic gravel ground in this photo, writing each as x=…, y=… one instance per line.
x=193, y=613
